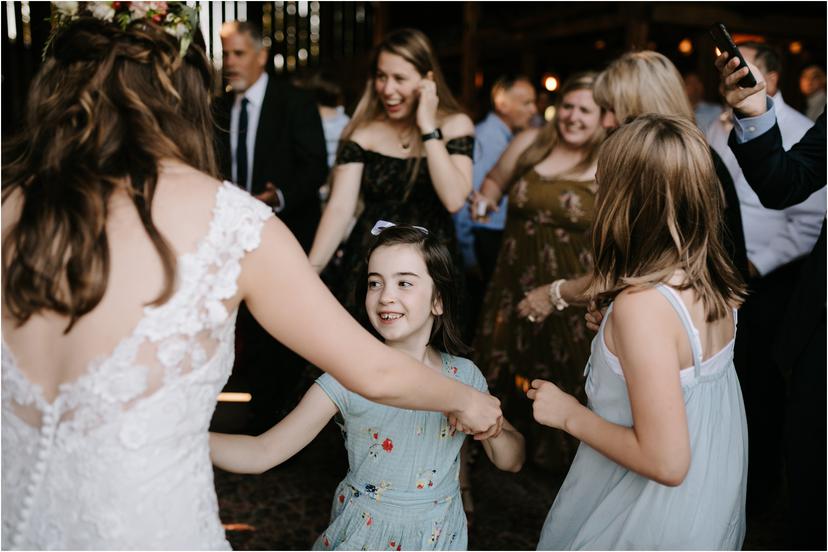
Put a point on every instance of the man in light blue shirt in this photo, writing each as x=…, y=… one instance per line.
x=513, y=105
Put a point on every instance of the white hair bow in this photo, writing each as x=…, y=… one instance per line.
x=381, y=225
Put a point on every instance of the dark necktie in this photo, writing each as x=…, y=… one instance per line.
x=241, y=147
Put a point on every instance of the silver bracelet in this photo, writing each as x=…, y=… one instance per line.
x=555, y=295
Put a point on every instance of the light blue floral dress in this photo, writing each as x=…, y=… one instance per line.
x=401, y=491
x=604, y=506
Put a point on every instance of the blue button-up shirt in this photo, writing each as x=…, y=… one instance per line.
x=491, y=137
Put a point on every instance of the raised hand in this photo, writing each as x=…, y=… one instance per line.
x=551, y=406
x=748, y=102
x=427, y=105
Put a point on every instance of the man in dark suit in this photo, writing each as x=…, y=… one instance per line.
x=782, y=179
x=285, y=160
x=270, y=143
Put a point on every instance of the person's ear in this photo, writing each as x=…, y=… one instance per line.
x=437, y=305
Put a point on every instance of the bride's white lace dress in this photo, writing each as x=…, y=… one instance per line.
x=120, y=459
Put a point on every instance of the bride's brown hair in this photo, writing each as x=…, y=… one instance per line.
x=659, y=209
x=105, y=108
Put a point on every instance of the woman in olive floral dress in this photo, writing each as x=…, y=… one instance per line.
x=549, y=176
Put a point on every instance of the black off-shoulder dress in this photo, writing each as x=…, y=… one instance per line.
x=388, y=194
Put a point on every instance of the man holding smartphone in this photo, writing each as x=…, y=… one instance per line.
x=780, y=179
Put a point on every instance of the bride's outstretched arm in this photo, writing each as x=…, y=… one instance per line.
x=286, y=296
x=248, y=454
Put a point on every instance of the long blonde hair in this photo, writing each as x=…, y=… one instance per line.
x=548, y=137
x=415, y=48
x=642, y=82
x=659, y=209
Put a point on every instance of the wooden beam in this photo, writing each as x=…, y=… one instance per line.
x=704, y=14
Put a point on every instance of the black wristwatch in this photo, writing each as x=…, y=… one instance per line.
x=436, y=133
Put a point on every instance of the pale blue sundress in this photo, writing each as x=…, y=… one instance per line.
x=604, y=506
x=401, y=491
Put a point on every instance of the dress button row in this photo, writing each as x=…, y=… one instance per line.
x=44, y=444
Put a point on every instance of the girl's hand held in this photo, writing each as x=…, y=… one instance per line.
x=481, y=413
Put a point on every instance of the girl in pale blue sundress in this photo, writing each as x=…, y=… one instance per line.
x=401, y=491
x=663, y=457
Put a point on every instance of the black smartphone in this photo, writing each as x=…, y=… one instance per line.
x=725, y=44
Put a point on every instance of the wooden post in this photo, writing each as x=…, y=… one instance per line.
x=380, y=10
x=471, y=17
x=637, y=27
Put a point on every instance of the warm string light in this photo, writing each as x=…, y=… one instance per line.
x=314, y=30
x=290, y=34
x=242, y=11
x=235, y=397
x=25, y=18
x=11, y=22
x=302, y=24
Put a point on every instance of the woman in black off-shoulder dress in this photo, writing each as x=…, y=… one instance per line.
x=407, y=153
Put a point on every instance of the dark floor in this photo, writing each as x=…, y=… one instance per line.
x=289, y=506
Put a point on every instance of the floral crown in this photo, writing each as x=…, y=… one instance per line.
x=176, y=18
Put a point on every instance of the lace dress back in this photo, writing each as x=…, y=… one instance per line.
x=119, y=458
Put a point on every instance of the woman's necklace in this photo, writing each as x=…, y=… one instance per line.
x=404, y=139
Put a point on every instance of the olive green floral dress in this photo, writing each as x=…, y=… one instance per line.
x=547, y=237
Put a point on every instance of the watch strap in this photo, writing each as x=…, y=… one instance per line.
x=434, y=134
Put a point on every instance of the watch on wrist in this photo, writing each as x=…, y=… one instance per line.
x=436, y=133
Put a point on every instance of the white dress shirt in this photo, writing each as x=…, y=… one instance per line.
x=772, y=237
x=255, y=97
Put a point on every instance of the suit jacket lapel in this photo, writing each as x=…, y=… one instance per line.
x=222, y=135
x=267, y=136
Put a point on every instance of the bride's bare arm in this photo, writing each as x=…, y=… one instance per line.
x=289, y=300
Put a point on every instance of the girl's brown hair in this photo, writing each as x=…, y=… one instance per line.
x=445, y=333
x=548, y=137
x=106, y=106
x=415, y=48
x=659, y=209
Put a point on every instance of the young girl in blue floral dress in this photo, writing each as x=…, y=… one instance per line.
x=401, y=491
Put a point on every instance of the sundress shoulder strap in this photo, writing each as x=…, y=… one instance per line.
x=687, y=322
